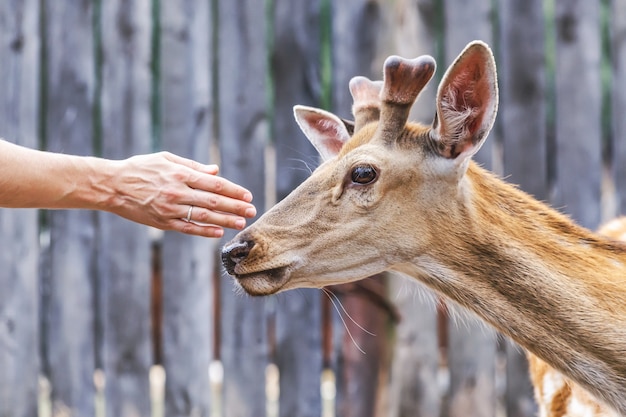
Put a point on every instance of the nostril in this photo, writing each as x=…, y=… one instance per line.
x=235, y=253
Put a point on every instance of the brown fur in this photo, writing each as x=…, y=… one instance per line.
x=556, y=395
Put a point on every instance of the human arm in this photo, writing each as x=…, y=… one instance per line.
x=154, y=189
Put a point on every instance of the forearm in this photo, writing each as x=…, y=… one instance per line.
x=160, y=189
x=36, y=179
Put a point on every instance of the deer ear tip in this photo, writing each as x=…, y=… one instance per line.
x=478, y=44
x=481, y=47
x=299, y=108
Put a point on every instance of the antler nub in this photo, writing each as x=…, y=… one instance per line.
x=366, y=100
x=404, y=80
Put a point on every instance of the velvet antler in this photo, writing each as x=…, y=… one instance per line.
x=366, y=101
x=404, y=80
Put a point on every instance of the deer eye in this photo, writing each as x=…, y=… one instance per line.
x=363, y=174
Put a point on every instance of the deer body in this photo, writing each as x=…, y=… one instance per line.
x=407, y=197
x=556, y=395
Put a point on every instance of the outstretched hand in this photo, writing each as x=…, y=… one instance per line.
x=170, y=192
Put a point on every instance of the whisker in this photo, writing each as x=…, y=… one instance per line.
x=345, y=325
x=347, y=314
x=307, y=165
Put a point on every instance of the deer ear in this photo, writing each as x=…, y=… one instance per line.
x=467, y=101
x=326, y=131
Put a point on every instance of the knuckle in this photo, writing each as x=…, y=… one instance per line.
x=204, y=216
x=187, y=228
x=218, y=185
x=212, y=202
x=181, y=176
x=170, y=195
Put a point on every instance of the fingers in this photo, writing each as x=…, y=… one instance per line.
x=202, y=216
x=189, y=163
x=216, y=202
x=206, y=223
x=210, y=182
x=192, y=228
x=219, y=185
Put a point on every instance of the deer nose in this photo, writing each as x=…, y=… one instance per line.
x=234, y=253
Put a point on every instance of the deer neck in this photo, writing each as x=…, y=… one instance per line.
x=552, y=286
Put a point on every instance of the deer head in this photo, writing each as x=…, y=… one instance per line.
x=350, y=219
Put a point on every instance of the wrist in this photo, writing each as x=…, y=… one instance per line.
x=97, y=190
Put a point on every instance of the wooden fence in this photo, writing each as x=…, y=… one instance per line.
x=215, y=80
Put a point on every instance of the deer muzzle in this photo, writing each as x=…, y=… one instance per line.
x=234, y=253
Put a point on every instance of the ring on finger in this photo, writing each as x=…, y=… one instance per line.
x=188, y=218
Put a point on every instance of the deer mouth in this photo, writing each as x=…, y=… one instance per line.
x=263, y=283
x=256, y=272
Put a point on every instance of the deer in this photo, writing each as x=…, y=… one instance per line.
x=392, y=194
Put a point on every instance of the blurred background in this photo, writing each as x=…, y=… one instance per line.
x=100, y=316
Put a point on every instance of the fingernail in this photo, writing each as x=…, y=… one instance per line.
x=240, y=224
x=247, y=197
x=250, y=212
x=219, y=233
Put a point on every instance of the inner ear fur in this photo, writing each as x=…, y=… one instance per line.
x=467, y=102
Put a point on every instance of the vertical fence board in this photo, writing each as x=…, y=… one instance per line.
x=471, y=361
x=19, y=327
x=578, y=106
x=362, y=360
x=618, y=92
x=416, y=352
x=355, y=42
x=188, y=262
x=296, y=69
x=522, y=69
x=124, y=249
x=69, y=51
x=243, y=133
x=472, y=350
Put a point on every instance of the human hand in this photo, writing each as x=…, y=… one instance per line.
x=159, y=189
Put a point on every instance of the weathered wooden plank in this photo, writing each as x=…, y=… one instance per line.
x=471, y=354
x=124, y=246
x=618, y=97
x=69, y=52
x=356, y=37
x=186, y=124
x=243, y=133
x=414, y=390
x=296, y=66
x=416, y=353
x=362, y=365
x=522, y=114
x=471, y=361
x=19, y=257
x=519, y=395
x=578, y=107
